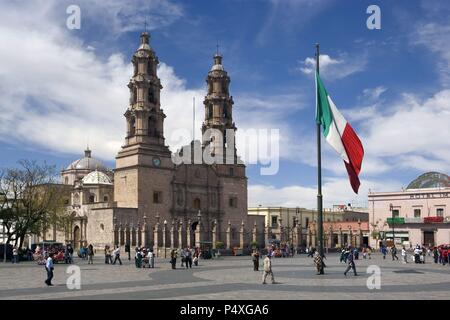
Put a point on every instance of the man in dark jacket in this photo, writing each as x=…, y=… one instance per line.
x=351, y=263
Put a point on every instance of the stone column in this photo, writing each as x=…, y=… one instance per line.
x=188, y=233
x=214, y=234
x=180, y=233
x=164, y=234
x=133, y=236
x=172, y=235
x=81, y=233
x=155, y=238
x=313, y=237
x=144, y=233
x=255, y=233
x=241, y=235
x=198, y=231
x=121, y=235
x=229, y=235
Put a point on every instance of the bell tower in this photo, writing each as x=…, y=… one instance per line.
x=144, y=116
x=219, y=114
x=144, y=164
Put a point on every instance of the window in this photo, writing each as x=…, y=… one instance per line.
x=210, y=111
x=231, y=171
x=157, y=197
x=440, y=212
x=307, y=222
x=233, y=202
x=149, y=68
x=416, y=213
x=105, y=198
x=395, y=213
x=197, y=204
x=151, y=96
x=274, y=220
x=91, y=198
x=66, y=180
x=66, y=202
x=132, y=126
x=152, y=132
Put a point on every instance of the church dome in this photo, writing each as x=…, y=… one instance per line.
x=96, y=177
x=87, y=163
x=430, y=180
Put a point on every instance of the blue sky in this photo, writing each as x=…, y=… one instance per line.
x=62, y=89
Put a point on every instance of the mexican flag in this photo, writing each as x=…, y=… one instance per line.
x=339, y=134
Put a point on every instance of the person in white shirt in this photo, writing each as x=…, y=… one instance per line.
x=116, y=254
x=404, y=255
x=49, y=268
x=151, y=258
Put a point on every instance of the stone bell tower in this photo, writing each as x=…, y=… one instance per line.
x=143, y=165
x=219, y=114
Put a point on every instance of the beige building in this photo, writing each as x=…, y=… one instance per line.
x=419, y=214
x=148, y=200
x=341, y=224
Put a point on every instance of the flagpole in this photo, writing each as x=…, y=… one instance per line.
x=319, y=174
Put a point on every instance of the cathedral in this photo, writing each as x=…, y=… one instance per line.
x=151, y=200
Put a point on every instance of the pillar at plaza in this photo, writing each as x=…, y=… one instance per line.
x=340, y=237
x=214, y=234
x=155, y=238
x=198, y=231
x=180, y=234
x=254, y=232
x=144, y=233
x=241, y=235
x=229, y=235
x=121, y=235
x=188, y=233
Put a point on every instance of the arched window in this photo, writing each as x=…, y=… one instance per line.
x=105, y=198
x=135, y=95
x=132, y=126
x=225, y=112
x=149, y=68
x=210, y=111
x=152, y=130
x=91, y=198
x=66, y=180
x=151, y=96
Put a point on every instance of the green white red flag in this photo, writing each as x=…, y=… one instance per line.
x=339, y=134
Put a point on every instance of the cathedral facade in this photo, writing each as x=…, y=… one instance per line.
x=151, y=200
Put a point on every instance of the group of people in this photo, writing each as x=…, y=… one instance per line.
x=188, y=257
x=144, y=257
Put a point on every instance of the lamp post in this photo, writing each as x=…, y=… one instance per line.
x=391, y=208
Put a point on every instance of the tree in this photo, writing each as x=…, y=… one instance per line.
x=30, y=200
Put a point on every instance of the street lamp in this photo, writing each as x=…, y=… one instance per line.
x=391, y=208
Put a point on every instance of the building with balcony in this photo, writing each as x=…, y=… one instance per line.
x=419, y=214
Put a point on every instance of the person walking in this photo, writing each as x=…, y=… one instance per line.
x=108, y=258
x=383, y=251
x=173, y=258
x=49, y=268
x=90, y=254
x=394, y=253
x=151, y=258
x=268, y=269
x=435, y=255
x=255, y=259
x=15, y=258
x=116, y=254
x=404, y=255
x=188, y=256
x=351, y=264
x=318, y=262
x=183, y=257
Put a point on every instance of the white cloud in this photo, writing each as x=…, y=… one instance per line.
x=334, y=68
x=335, y=191
x=372, y=94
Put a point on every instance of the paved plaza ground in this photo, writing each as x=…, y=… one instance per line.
x=230, y=278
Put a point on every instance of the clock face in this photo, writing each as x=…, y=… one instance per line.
x=156, y=161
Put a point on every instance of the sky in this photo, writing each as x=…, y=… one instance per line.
x=62, y=89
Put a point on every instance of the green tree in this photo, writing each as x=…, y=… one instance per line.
x=30, y=201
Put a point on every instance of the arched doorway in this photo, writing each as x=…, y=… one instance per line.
x=76, y=237
x=193, y=228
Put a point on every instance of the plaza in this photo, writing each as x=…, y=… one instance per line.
x=229, y=278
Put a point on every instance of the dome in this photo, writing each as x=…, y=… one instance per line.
x=87, y=163
x=430, y=180
x=96, y=177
